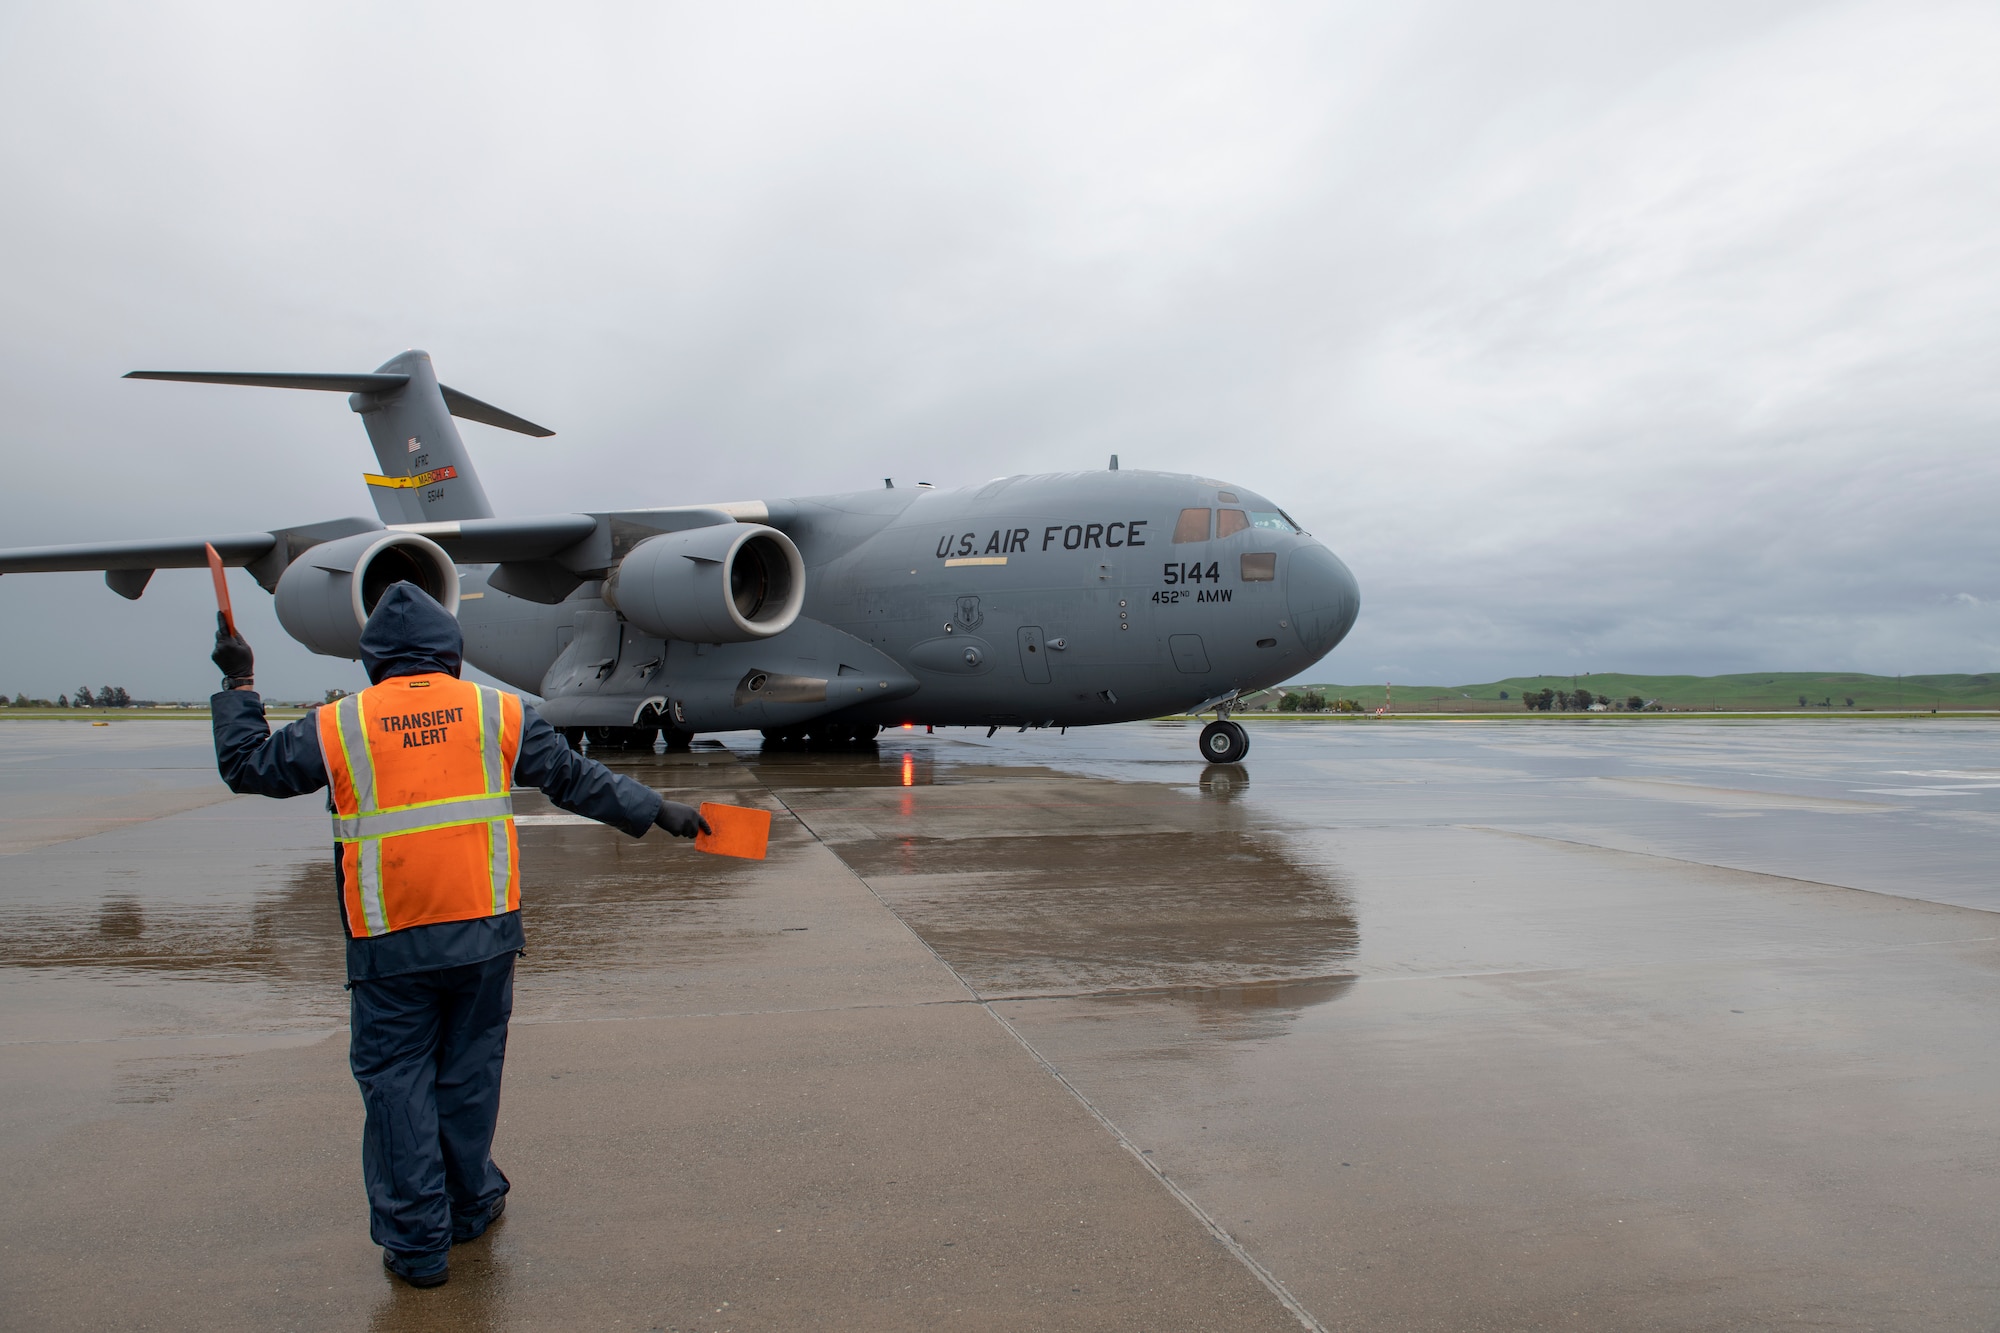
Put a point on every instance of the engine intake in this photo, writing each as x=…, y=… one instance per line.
x=729, y=583
x=324, y=597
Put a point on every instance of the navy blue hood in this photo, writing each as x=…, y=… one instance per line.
x=409, y=634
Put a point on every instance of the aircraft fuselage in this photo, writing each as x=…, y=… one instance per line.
x=1062, y=599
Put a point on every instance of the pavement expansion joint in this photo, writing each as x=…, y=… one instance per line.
x=1221, y=1235
x=1215, y=1229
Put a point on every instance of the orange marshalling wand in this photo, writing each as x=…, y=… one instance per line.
x=221, y=587
x=738, y=831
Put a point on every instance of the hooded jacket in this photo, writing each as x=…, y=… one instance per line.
x=410, y=634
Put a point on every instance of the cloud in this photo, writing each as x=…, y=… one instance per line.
x=1630, y=338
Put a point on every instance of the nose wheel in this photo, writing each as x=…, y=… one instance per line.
x=1224, y=742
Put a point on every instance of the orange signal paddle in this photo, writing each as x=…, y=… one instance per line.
x=739, y=830
x=221, y=587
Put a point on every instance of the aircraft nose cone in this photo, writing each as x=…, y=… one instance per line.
x=1323, y=596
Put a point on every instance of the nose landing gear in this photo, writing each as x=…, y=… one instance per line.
x=1224, y=742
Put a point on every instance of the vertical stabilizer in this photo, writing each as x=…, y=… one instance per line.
x=426, y=475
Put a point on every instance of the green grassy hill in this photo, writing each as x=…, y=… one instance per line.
x=1772, y=691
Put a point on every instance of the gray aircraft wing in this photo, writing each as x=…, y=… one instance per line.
x=241, y=548
x=543, y=556
x=128, y=565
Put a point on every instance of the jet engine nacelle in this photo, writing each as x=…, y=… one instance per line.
x=728, y=583
x=324, y=597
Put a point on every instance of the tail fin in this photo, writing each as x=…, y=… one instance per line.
x=426, y=474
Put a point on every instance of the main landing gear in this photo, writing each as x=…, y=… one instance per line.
x=621, y=738
x=630, y=739
x=1224, y=742
x=823, y=736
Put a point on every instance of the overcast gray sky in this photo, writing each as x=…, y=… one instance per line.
x=1594, y=337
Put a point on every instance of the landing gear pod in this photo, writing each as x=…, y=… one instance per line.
x=730, y=583
x=324, y=597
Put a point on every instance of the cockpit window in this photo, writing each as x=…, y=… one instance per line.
x=1272, y=519
x=1229, y=522
x=1193, y=526
x=1227, y=497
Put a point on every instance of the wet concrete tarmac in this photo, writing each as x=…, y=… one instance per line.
x=1596, y=1024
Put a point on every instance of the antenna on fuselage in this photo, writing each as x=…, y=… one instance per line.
x=1114, y=462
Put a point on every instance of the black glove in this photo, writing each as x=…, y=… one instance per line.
x=232, y=655
x=681, y=820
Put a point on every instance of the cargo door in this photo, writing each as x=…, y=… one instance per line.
x=1034, y=655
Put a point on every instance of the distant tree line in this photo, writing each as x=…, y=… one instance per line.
x=1575, y=701
x=1315, y=701
x=105, y=696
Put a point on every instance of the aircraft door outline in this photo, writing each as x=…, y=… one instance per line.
x=1034, y=655
x=1189, y=654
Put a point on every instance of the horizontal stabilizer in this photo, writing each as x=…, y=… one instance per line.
x=462, y=405
x=466, y=407
x=329, y=383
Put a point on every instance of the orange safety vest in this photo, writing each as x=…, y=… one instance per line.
x=420, y=768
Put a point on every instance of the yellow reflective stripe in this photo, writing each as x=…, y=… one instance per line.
x=429, y=805
x=390, y=823
x=492, y=718
x=499, y=852
x=351, y=729
x=500, y=862
x=372, y=907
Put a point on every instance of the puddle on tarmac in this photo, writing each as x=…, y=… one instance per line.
x=1031, y=882
x=286, y=937
x=1025, y=878
x=161, y=952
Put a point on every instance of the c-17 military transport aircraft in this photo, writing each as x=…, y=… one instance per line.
x=1059, y=600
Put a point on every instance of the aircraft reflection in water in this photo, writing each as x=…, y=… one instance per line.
x=1035, y=883
x=1187, y=905
x=1059, y=600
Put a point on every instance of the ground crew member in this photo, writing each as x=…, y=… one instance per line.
x=418, y=768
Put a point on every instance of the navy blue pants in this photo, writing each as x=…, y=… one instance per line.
x=426, y=1049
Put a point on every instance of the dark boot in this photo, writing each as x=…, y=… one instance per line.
x=419, y=1270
